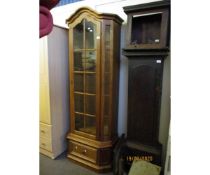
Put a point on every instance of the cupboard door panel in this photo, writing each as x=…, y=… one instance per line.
x=143, y=99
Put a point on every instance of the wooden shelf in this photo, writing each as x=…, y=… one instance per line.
x=81, y=113
x=83, y=93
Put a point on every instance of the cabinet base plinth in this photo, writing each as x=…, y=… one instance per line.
x=47, y=153
x=97, y=157
x=89, y=165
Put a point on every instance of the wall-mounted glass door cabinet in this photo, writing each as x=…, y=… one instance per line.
x=94, y=41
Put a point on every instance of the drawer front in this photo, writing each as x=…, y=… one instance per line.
x=83, y=151
x=45, y=130
x=45, y=144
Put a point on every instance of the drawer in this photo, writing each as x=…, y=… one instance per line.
x=45, y=144
x=83, y=151
x=45, y=130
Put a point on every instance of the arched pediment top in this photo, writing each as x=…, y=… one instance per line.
x=93, y=13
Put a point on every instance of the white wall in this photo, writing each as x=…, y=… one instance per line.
x=60, y=14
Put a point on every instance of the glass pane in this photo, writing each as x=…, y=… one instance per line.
x=89, y=61
x=90, y=104
x=79, y=102
x=106, y=126
x=107, y=48
x=106, y=115
x=107, y=61
x=106, y=81
x=78, y=66
x=78, y=36
x=90, y=83
x=106, y=106
x=146, y=29
x=90, y=125
x=90, y=32
x=78, y=82
x=79, y=121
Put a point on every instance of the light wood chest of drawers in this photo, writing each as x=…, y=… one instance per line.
x=54, y=92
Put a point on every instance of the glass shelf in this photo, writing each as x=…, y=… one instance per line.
x=85, y=123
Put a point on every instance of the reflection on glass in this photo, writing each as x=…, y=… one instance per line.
x=106, y=81
x=78, y=65
x=106, y=106
x=106, y=126
x=90, y=31
x=89, y=61
x=146, y=29
x=90, y=104
x=78, y=82
x=107, y=61
x=79, y=102
x=78, y=36
x=90, y=81
x=79, y=121
x=107, y=48
x=84, y=41
x=90, y=125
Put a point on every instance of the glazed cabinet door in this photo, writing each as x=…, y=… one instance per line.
x=84, y=75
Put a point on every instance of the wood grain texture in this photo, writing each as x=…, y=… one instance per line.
x=100, y=142
x=144, y=92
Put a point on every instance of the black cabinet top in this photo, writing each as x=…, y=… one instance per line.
x=147, y=6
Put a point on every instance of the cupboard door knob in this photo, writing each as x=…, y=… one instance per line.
x=84, y=151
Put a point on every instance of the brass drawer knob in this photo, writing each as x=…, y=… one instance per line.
x=84, y=151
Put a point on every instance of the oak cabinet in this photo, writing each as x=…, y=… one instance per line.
x=94, y=41
x=54, y=92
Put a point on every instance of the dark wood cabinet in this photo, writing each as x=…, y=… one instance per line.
x=94, y=41
x=148, y=25
x=144, y=92
x=147, y=45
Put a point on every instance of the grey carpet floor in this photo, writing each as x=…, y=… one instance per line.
x=62, y=166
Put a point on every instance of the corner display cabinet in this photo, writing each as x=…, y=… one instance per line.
x=94, y=41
